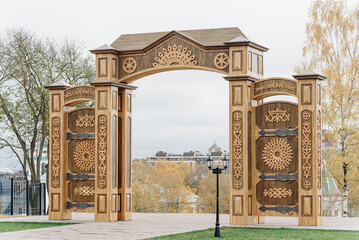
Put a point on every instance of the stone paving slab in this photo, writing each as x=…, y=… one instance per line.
x=145, y=225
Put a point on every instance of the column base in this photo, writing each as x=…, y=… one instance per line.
x=246, y=220
x=60, y=216
x=310, y=221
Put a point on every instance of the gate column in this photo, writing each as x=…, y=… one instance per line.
x=310, y=157
x=241, y=198
x=124, y=211
x=245, y=67
x=57, y=163
x=106, y=160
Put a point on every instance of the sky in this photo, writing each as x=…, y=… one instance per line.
x=180, y=110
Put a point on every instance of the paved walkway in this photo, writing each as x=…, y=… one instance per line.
x=145, y=225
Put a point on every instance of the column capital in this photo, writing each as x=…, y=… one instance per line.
x=59, y=85
x=240, y=77
x=309, y=74
x=112, y=83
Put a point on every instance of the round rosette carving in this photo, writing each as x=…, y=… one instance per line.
x=84, y=156
x=221, y=60
x=277, y=154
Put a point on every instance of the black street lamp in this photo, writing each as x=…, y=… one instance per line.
x=217, y=166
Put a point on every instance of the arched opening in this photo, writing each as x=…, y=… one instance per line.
x=180, y=115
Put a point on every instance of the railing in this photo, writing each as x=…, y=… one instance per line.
x=21, y=197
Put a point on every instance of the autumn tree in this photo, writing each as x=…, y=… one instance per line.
x=332, y=48
x=27, y=64
x=161, y=188
x=207, y=193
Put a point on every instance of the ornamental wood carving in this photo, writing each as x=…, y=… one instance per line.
x=262, y=167
x=279, y=86
x=307, y=149
x=81, y=191
x=85, y=191
x=84, y=156
x=277, y=154
x=79, y=93
x=174, y=55
x=237, y=146
x=82, y=120
x=129, y=65
x=56, y=126
x=102, y=150
x=277, y=192
x=85, y=121
x=277, y=116
x=158, y=56
x=221, y=61
x=319, y=149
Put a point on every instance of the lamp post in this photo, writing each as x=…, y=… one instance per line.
x=217, y=166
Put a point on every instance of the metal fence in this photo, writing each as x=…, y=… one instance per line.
x=21, y=197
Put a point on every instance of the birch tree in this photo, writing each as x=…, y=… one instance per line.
x=331, y=48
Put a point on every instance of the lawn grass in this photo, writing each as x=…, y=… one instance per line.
x=265, y=233
x=17, y=226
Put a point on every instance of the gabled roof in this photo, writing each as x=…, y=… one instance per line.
x=205, y=37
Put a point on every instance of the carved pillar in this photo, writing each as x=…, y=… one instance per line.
x=106, y=140
x=240, y=150
x=245, y=67
x=310, y=159
x=57, y=144
x=125, y=152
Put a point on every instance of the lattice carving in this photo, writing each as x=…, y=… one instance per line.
x=319, y=150
x=84, y=156
x=80, y=91
x=129, y=65
x=175, y=55
x=307, y=148
x=277, y=116
x=237, y=149
x=56, y=152
x=85, y=191
x=277, y=192
x=277, y=154
x=102, y=150
x=85, y=121
x=221, y=60
x=274, y=85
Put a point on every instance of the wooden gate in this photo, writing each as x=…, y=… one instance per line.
x=276, y=159
x=80, y=175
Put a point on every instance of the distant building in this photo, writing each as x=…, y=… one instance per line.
x=215, y=152
x=6, y=174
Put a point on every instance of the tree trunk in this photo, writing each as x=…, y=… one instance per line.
x=345, y=190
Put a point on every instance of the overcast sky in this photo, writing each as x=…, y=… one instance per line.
x=181, y=110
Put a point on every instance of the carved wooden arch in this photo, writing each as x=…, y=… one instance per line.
x=79, y=94
x=135, y=56
x=274, y=86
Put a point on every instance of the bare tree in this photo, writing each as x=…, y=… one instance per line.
x=27, y=64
